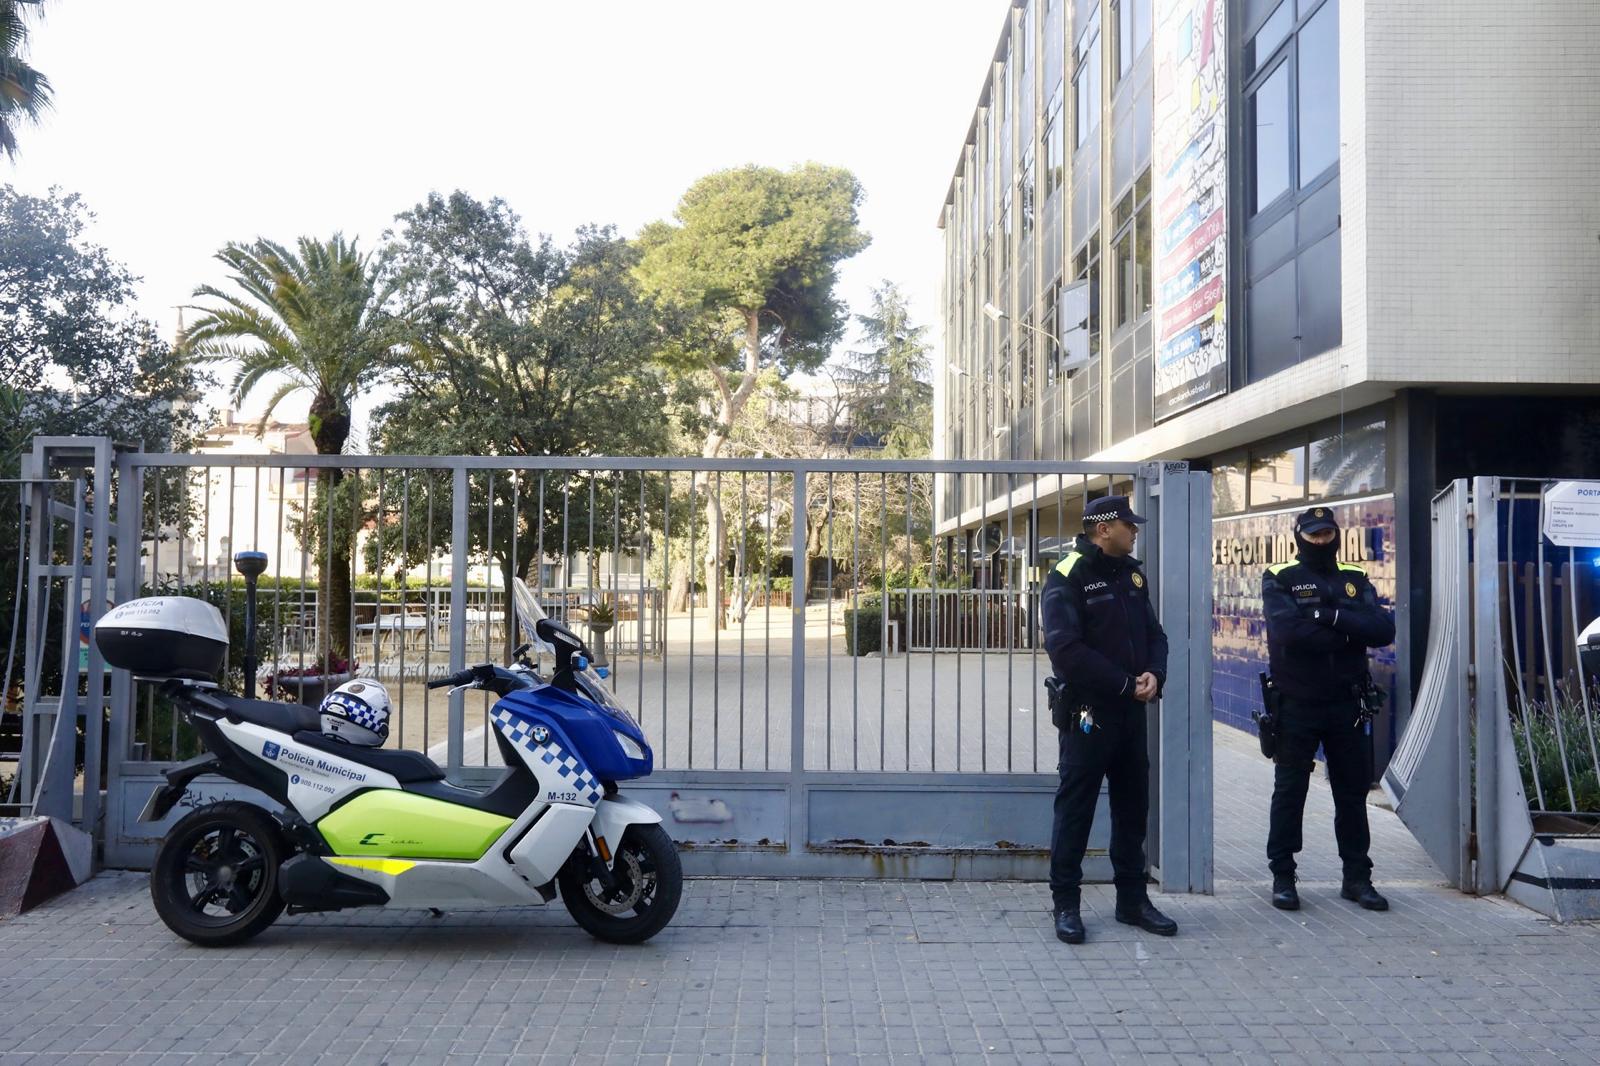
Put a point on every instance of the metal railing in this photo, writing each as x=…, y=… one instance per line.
x=1499, y=764
x=396, y=567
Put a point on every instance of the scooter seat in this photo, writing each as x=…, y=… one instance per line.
x=404, y=766
x=284, y=717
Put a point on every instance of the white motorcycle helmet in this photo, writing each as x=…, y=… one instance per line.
x=357, y=712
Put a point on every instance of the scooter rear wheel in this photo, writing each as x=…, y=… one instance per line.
x=649, y=884
x=215, y=878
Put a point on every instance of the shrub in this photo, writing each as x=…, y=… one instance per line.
x=863, y=630
x=1534, y=734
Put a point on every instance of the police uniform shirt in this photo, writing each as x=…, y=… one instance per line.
x=1100, y=628
x=1320, y=623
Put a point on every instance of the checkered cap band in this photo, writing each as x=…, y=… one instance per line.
x=571, y=769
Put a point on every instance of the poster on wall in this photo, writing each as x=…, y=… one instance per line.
x=1191, y=192
x=1242, y=548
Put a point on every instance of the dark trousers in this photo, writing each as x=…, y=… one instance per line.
x=1113, y=752
x=1302, y=726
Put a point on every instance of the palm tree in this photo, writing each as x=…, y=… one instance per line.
x=316, y=320
x=24, y=92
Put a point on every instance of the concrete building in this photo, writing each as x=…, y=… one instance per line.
x=239, y=509
x=1334, y=250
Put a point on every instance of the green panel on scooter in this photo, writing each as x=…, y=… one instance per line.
x=386, y=822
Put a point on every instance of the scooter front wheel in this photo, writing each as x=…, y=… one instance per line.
x=215, y=878
x=648, y=883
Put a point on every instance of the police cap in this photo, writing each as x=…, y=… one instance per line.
x=1315, y=519
x=1109, y=509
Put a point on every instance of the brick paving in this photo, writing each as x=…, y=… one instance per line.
x=837, y=972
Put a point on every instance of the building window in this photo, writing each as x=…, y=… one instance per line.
x=1086, y=79
x=1085, y=422
x=1277, y=476
x=1133, y=33
x=1130, y=253
x=1292, y=93
x=1318, y=98
x=1350, y=462
x=1053, y=40
x=1003, y=413
x=1269, y=125
x=1055, y=147
x=1227, y=486
x=1293, y=298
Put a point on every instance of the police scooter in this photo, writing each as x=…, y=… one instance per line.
x=368, y=826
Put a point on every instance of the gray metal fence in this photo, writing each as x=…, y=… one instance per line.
x=904, y=669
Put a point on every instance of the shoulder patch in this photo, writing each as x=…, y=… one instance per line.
x=1064, y=567
x=1278, y=568
x=1352, y=568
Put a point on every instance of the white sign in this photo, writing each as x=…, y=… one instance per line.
x=1572, y=514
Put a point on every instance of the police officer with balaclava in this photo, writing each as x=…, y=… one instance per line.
x=1322, y=615
x=1109, y=656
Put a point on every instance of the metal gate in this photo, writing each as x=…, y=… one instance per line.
x=798, y=727
x=1498, y=771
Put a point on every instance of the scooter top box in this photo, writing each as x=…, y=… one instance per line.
x=164, y=636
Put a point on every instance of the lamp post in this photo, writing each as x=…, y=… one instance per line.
x=1071, y=362
x=252, y=565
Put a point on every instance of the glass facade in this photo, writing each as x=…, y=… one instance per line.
x=1064, y=124
x=1090, y=212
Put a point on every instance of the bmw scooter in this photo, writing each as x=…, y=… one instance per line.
x=368, y=826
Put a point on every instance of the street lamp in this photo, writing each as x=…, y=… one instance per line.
x=1071, y=362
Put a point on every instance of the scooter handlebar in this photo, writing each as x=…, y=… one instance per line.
x=464, y=677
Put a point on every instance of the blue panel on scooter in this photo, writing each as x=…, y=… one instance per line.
x=587, y=726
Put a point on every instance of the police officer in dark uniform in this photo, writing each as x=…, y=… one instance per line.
x=1109, y=656
x=1322, y=616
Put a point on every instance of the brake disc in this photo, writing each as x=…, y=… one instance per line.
x=632, y=885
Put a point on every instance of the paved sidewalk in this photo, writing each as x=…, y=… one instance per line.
x=838, y=972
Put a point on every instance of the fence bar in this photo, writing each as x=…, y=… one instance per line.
x=458, y=613
x=716, y=538
x=766, y=644
x=95, y=708
x=797, y=676
x=693, y=561
x=56, y=777
x=1577, y=628
x=855, y=626
x=827, y=518
x=744, y=594
x=1516, y=651
x=1552, y=692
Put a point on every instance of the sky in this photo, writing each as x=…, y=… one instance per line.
x=189, y=123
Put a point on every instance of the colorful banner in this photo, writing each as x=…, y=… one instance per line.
x=1191, y=359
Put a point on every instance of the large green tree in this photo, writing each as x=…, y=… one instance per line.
x=75, y=360
x=520, y=348
x=24, y=92
x=886, y=383
x=315, y=318
x=746, y=272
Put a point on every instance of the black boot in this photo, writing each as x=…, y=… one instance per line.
x=1143, y=913
x=1069, y=926
x=1364, y=894
x=1284, y=897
